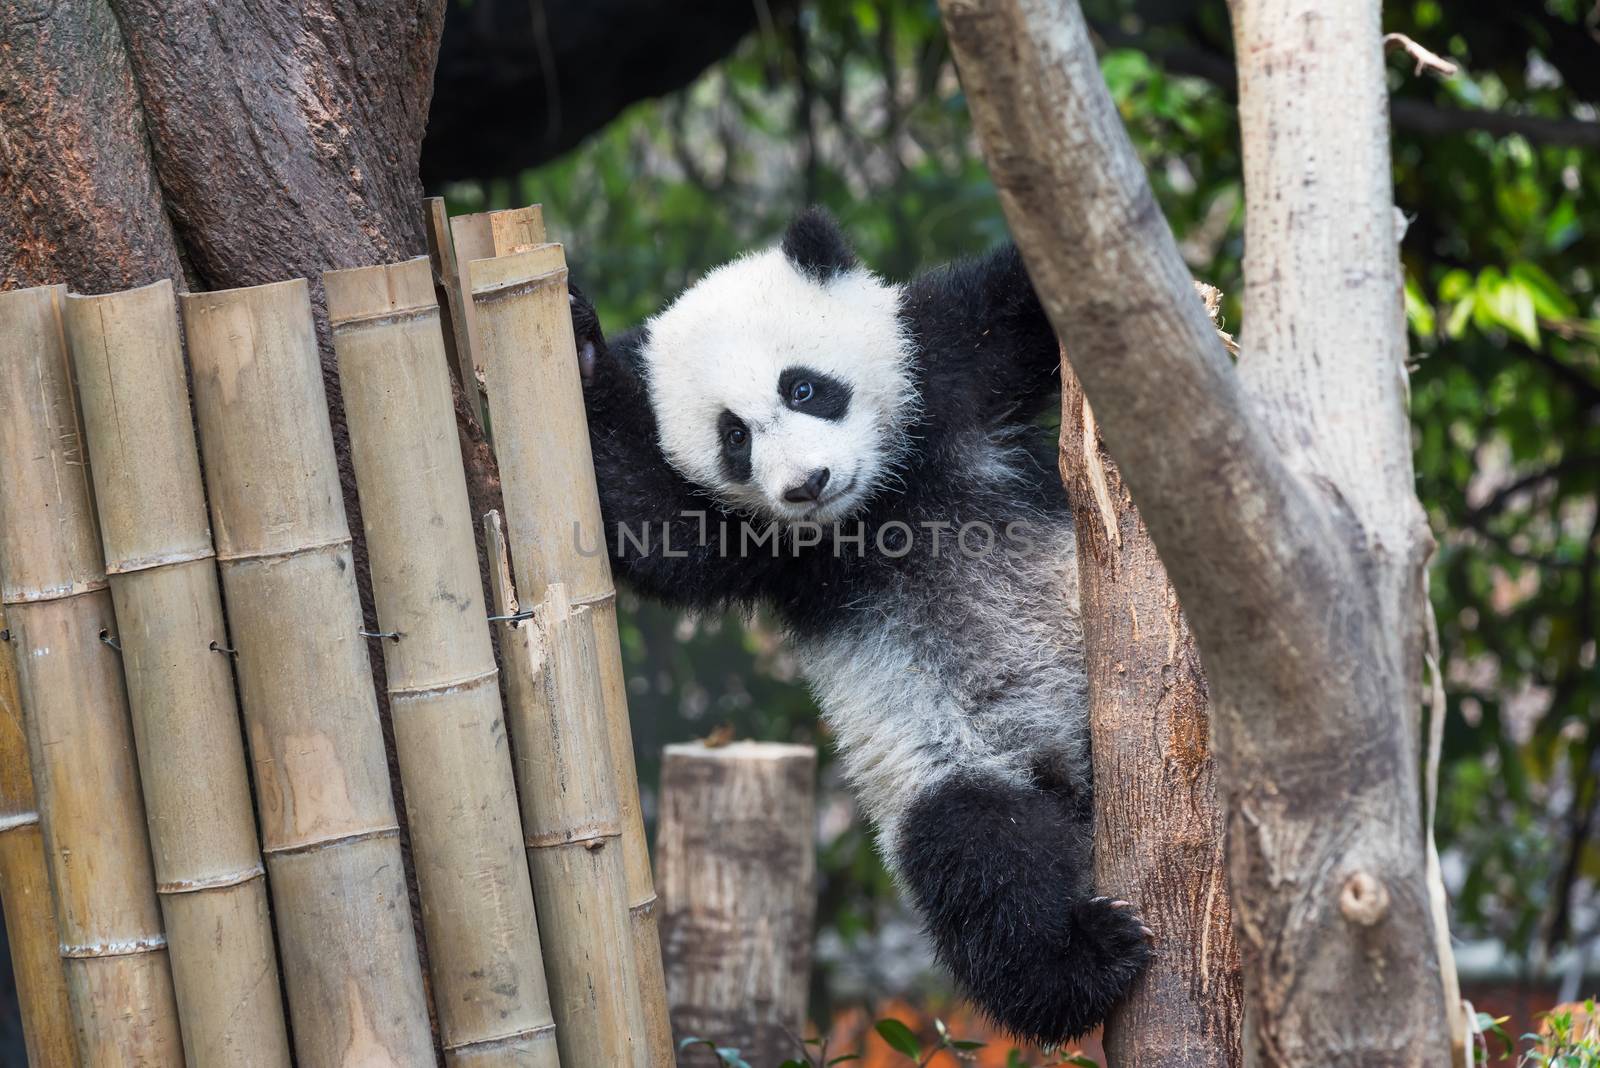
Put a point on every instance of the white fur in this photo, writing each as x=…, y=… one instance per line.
x=976, y=669
x=723, y=344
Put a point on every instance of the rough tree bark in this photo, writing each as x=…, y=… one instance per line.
x=1158, y=824
x=1278, y=490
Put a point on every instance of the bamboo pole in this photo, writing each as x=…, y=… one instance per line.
x=25, y=888
x=157, y=546
x=736, y=849
x=570, y=819
x=328, y=825
x=461, y=800
x=119, y=983
x=552, y=509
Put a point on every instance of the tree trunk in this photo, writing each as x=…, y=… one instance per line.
x=1278, y=490
x=1158, y=825
x=736, y=848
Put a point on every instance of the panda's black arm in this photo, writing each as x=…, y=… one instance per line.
x=988, y=352
x=665, y=538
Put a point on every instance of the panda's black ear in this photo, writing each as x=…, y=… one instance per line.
x=816, y=246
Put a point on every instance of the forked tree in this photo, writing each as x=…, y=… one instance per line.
x=1277, y=487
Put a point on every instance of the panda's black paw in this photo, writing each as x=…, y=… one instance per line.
x=585, y=332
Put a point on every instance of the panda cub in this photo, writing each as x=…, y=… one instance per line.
x=861, y=458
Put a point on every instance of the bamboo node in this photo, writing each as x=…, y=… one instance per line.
x=461, y=685
x=527, y=1034
x=517, y=287
x=114, y=949
x=336, y=840
x=214, y=882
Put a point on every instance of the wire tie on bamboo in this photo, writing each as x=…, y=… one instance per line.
x=392, y=635
x=105, y=636
x=218, y=647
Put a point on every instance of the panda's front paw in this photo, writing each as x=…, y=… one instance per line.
x=585, y=332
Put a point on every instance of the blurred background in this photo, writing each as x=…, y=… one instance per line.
x=663, y=139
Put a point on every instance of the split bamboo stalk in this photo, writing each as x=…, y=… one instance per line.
x=526, y=345
x=25, y=890
x=328, y=825
x=152, y=511
x=119, y=983
x=736, y=848
x=570, y=817
x=456, y=242
x=444, y=700
x=452, y=305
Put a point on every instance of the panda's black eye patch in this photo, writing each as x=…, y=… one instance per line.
x=735, y=437
x=814, y=393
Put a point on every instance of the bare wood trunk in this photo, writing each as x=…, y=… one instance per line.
x=75, y=708
x=25, y=892
x=552, y=512
x=1158, y=824
x=1279, y=490
x=477, y=900
x=157, y=541
x=570, y=820
x=327, y=815
x=736, y=848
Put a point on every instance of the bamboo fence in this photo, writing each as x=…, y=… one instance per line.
x=163, y=575
x=571, y=819
x=450, y=737
x=525, y=344
x=327, y=816
x=128, y=668
x=75, y=708
x=25, y=888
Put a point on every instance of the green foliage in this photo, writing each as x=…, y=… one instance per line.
x=857, y=106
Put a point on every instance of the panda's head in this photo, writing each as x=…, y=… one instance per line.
x=781, y=382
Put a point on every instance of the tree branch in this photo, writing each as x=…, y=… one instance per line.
x=1411, y=114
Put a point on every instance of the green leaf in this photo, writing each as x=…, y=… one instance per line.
x=964, y=1044
x=899, y=1037
x=844, y=1059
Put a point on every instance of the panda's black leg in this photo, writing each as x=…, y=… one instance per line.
x=1002, y=876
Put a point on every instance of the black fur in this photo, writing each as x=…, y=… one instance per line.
x=830, y=398
x=1002, y=877
x=1000, y=873
x=816, y=246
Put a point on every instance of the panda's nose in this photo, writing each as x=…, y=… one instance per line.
x=809, y=490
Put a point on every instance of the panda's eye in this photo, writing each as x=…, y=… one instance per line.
x=801, y=392
x=735, y=437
